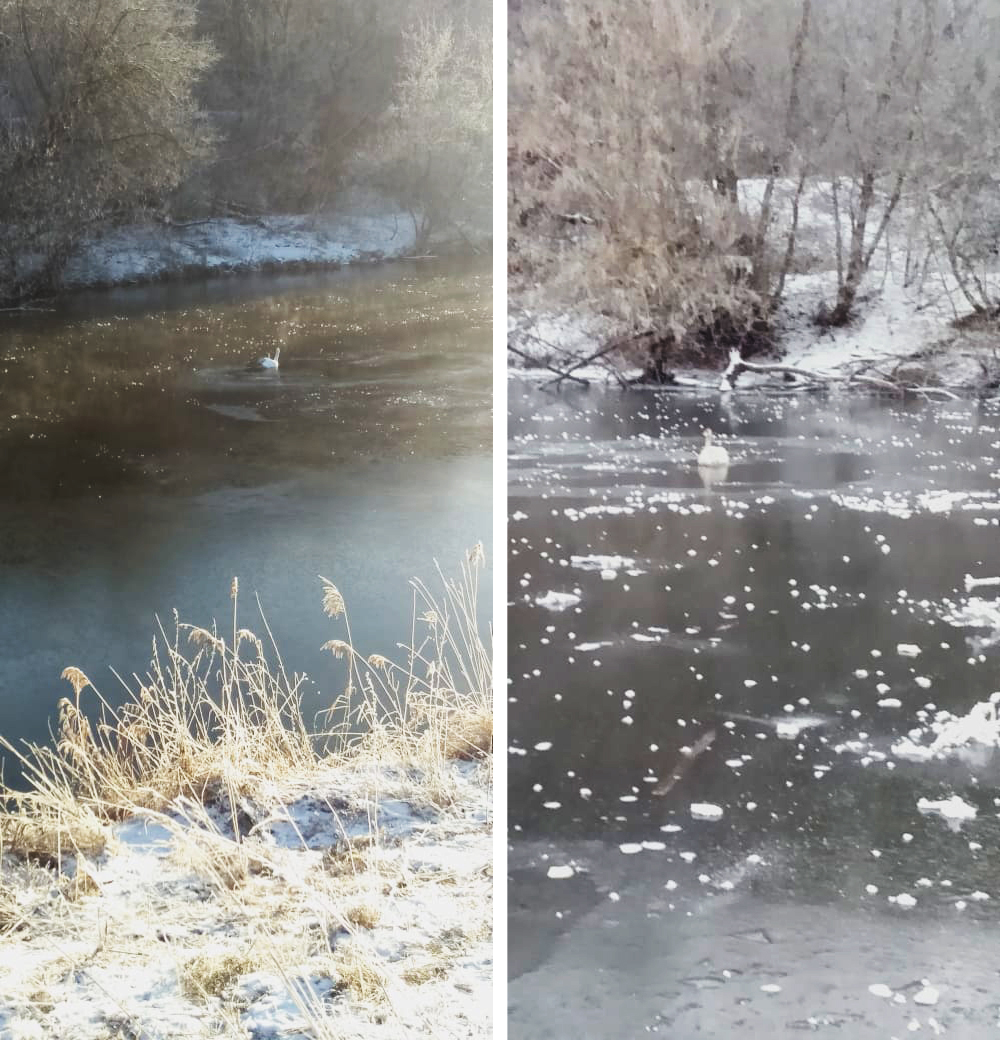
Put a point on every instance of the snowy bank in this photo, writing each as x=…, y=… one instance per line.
x=910, y=321
x=200, y=862
x=341, y=903
x=145, y=253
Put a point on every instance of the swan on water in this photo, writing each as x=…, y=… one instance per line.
x=712, y=454
x=269, y=362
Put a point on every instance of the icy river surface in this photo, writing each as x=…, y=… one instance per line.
x=143, y=467
x=750, y=791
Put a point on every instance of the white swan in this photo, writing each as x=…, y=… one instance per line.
x=712, y=454
x=269, y=362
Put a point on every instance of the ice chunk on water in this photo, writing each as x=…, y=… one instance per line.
x=557, y=600
x=953, y=808
x=907, y=649
x=705, y=811
x=558, y=873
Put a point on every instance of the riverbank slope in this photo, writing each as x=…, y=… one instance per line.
x=201, y=862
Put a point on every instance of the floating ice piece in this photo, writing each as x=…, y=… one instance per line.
x=904, y=899
x=559, y=873
x=770, y=987
x=557, y=600
x=602, y=563
x=980, y=726
x=907, y=649
x=928, y=995
x=608, y=574
x=890, y=702
x=972, y=583
x=630, y=848
x=705, y=811
x=879, y=989
x=952, y=808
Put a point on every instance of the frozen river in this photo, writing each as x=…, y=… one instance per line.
x=729, y=694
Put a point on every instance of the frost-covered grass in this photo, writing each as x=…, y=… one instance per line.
x=203, y=862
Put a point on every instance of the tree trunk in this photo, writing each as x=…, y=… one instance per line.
x=848, y=289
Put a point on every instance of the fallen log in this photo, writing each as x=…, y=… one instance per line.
x=737, y=365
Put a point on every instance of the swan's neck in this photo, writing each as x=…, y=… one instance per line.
x=708, y=438
x=277, y=351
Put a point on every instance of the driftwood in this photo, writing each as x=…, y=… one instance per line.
x=701, y=745
x=574, y=362
x=737, y=365
x=810, y=380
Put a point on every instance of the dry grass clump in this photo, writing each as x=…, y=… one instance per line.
x=47, y=832
x=363, y=915
x=357, y=970
x=421, y=971
x=212, y=725
x=211, y=975
x=434, y=707
x=349, y=855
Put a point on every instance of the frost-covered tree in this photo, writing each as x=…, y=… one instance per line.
x=97, y=116
x=431, y=150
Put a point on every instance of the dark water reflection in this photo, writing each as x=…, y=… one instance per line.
x=731, y=607
x=142, y=466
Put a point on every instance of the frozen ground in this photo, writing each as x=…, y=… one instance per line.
x=901, y=314
x=344, y=905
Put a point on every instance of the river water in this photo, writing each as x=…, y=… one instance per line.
x=142, y=466
x=756, y=644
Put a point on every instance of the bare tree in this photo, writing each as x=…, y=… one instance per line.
x=624, y=135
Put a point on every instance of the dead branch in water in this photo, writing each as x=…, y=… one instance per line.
x=701, y=745
x=551, y=368
x=737, y=365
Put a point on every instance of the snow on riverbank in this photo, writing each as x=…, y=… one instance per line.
x=901, y=315
x=367, y=229
x=344, y=903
